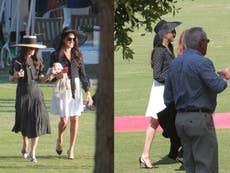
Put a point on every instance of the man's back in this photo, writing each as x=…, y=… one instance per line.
x=192, y=84
x=195, y=83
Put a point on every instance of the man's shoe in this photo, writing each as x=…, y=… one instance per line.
x=180, y=159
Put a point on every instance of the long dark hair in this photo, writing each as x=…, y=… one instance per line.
x=23, y=54
x=157, y=42
x=75, y=50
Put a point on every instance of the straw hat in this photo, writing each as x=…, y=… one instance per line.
x=30, y=41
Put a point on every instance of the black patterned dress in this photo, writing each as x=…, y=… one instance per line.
x=31, y=117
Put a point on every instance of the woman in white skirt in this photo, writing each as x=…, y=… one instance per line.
x=162, y=56
x=67, y=101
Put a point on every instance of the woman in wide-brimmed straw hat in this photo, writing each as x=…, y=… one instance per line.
x=68, y=104
x=31, y=118
x=30, y=41
x=162, y=56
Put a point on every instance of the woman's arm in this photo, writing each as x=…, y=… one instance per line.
x=16, y=75
x=43, y=78
x=89, y=99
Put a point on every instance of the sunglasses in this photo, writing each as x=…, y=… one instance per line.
x=70, y=38
x=173, y=31
x=206, y=39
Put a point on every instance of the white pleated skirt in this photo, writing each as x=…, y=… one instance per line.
x=63, y=104
x=156, y=100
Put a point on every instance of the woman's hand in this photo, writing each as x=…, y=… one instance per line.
x=89, y=99
x=59, y=75
x=18, y=74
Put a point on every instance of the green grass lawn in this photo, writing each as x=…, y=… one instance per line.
x=128, y=148
x=11, y=160
x=133, y=81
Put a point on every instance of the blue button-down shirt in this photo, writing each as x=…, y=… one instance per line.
x=192, y=82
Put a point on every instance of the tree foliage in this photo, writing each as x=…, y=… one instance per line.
x=132, y=14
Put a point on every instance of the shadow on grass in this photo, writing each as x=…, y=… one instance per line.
x=67, y=164
x=181, y=168
x=46, y=167
x=165, y=161
x=10, y=157
x=7, y=105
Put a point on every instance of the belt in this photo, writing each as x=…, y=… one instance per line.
x=195, y=110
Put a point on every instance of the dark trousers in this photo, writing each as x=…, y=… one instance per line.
x=174, y=147
x=198, y=137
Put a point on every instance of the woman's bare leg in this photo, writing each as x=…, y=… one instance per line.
x=61, y=128
x=73, y=135
x=25, y=146
x=34, y=143
x=150, y=134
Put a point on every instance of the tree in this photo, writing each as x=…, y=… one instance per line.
x=104, y=155
x=131, y=14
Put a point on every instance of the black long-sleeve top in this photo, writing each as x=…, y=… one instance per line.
x=74, y=69
x=19, y=63
x=160, y=60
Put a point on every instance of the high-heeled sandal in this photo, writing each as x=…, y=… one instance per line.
x=24, y=153
x=32, y=158
x=142, y=161
x=70, y=157
x=58, y=148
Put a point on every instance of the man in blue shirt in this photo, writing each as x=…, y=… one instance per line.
x=192, y=85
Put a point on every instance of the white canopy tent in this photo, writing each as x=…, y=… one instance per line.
x=18, y=17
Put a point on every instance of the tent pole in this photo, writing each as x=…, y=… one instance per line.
x=17, y=23
x=31, y=18
x=2, y=9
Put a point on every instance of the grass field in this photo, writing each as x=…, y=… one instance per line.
x=133, y=81
x=48, y=161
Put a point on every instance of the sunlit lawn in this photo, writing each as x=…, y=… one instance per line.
x=133, y=81
x=11, y=160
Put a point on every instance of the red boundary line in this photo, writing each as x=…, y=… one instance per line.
x=140, y=123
